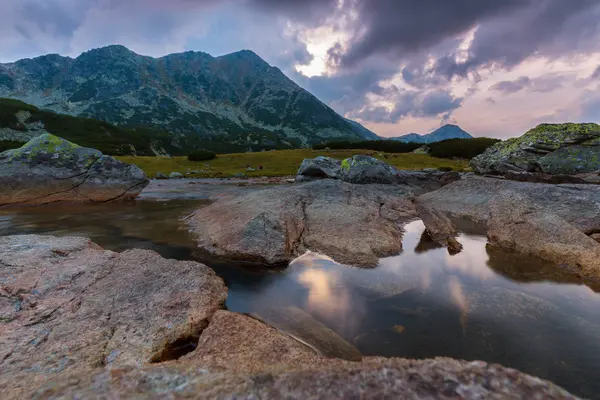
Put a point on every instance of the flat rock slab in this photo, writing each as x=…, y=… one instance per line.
x=66, y=304
x=49, y=169
x=354, y=224
x=375, y=378
x=469, y=198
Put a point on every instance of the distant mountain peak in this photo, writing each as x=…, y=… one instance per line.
x=448, y=131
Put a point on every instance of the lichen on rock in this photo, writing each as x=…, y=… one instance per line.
x=548, y=148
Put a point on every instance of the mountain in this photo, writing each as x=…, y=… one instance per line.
x=237, y=98
x=443, y=133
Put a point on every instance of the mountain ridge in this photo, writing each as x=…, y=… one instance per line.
x=237, y=97
x=445, y=132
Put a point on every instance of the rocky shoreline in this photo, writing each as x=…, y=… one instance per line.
x=92, y=323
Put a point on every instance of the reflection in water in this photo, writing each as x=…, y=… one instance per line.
x=484, y=303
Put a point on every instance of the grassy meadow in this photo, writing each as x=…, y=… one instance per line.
x=278, y=162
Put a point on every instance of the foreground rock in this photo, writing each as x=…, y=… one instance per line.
x=374, y=378
x=48, y=169
x=242, y=344
x=355, y=224
x=66, y=304
x=517, y=223
x=554, y=149
x=363, y=170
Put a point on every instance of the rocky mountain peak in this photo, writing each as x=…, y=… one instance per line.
x=238, y=97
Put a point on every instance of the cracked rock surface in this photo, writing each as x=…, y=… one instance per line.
x=49, y=169
x=354, y=224
x=66, y=304
x=374, y=378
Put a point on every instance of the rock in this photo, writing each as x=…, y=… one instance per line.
x=67, y=305
x=439, y=227
x=49, y=169
x=239, y=175
x=175, y=175
x=160, y=175
x=423, y=150
x=375, y=378
x=319, y=168
x=590, y=177
x=364, y=169
x=555, y=149
x=306, y=329
x=518, y=224
x=242, y=344
x=447, y=178
x=537, y=177
x=468, y=198
x=596, y=237
x=354, y=224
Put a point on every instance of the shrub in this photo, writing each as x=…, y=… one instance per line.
x=9, y=145
x=201, y=155
x=461, y=148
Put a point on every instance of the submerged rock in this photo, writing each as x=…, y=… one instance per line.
x=354, y=224
x=518, y=224
x=48, y=169
x=375, y=378
x=555, y=149
x=66, y=305
x=302, y=326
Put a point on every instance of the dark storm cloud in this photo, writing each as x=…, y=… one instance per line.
x=398, y=27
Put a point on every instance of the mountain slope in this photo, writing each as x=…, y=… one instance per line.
x=20, y=122
x=237, y=97
x=444, y=133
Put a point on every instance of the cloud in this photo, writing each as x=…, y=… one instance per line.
x=543, y=84
x=409, y=104
x=512, y=86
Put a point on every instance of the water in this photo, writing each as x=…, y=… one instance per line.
x=484, y=303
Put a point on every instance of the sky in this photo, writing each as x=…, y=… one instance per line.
x=495, y=67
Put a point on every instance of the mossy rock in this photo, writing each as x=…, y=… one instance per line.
x=548, y=148
x=49, y=169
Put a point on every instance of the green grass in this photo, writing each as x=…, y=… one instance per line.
x=279, y=162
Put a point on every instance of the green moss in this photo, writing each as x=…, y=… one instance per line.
x=346, y=164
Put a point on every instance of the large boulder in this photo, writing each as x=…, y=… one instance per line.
x=319, y=168
x=364, y=169
x=48, y=169
x=66, y=304
x=518, y=224
x=555, y=149
x=374, y=378
x=355, y=224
